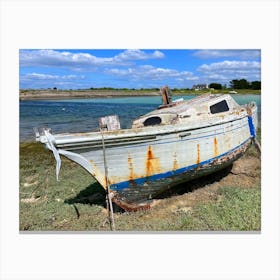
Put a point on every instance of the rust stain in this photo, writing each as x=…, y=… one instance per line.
x=107, y=181
x=216, y=152
x=175, y=162
x=81, y=134
x=152, y=163
x=198, y=153
x=94, y=166
x=130, y=207
x=98, y=174
x=130, y=167
x=116, y=179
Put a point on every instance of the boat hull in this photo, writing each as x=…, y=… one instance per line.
x=140, y=163
x=140, y=171
x=137, y=193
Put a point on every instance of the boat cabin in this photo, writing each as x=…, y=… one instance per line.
x=182, y=111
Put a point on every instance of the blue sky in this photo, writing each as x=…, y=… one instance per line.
x=145, y=68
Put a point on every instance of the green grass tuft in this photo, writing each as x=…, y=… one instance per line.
x=238, y=210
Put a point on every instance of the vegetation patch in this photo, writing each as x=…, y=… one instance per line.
x=237, y=210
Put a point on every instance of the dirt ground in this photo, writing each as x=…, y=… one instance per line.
x=244, y=173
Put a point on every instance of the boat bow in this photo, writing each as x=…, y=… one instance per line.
x=44, y=136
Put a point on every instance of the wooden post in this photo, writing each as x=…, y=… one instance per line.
x=166, y=97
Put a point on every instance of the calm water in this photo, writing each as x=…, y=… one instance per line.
x=81, y=115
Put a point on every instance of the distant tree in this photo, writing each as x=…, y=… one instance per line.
x=233, y=84
x=256, y=85
x=244, y=84
x=239, y=84
x=55, y=88
x=215, y=86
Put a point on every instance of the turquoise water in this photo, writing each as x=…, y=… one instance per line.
x=81, y=115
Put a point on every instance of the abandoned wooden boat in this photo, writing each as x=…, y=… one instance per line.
x=179, y=141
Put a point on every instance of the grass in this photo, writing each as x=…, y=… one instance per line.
x=238, y=210
x=46, y=204
x=77, y=202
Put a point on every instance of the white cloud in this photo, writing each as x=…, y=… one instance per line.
x=39, y=76
x=228, y=70
x=59, y=59
x=148, y=72
x=237, y=54
x=230, y=65
x=81, y=61
x=39, y=80
x=138, y=55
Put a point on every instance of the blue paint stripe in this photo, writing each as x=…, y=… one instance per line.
x=251, y=127
x=141, y=181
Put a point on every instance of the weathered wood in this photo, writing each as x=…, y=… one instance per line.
x=109, y=122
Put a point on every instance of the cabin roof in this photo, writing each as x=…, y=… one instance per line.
x=198, y=104
x=194, y=107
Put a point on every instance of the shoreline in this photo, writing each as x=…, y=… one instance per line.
x=64, y=97
x=83, y=94
x=61, y=94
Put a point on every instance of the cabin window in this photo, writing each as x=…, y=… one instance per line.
x=219, y=107
x=152, y=121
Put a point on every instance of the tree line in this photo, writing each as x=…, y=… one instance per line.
x=233, y=84
x=238, y=84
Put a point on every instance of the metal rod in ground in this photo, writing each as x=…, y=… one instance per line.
x=109, y=194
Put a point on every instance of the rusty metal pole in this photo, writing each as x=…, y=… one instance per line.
x=109, y=195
